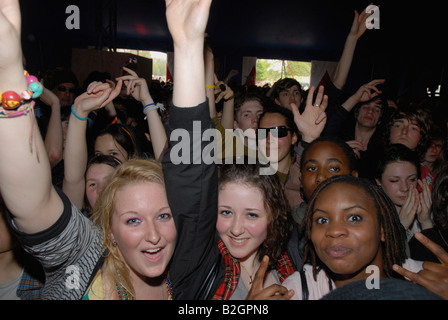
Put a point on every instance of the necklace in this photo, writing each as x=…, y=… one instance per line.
x=250, y=275
x=123, y=293
x=169, y=287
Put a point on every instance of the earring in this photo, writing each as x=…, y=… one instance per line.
x=114, y=243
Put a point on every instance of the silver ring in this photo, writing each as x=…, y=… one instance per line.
x=317, y=105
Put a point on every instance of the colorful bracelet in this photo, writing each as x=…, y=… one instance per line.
x=22, y=110
x=152, y=106
x=78, y=117
x=11, y=100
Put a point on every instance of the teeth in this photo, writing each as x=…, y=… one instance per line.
x=153, y=250
x=239, y=240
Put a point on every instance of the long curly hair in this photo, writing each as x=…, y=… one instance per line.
x=275, y=202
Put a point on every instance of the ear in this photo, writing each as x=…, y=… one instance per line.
x=383, y=237
x=355, y=173
x=235, y=125
x=277, y=101
x=294, y=138
x=378, y=182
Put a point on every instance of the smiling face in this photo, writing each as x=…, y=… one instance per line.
x=396, y=180
x=242, y=219
x=321, y=161
x=345, y=231
x=143, y=228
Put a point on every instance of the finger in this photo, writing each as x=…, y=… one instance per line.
x=438, y=251
x=130, y=71
x=91, y=86
x=412, y=276
x=220, y=96
x=278, y=292
x=319, y=97
x=295, y=112
x=113, y=93
x=309, y=99
x=99, y=86
x=324, y=103
x=129, y=77
x=322, y=117
x=111, y=83
x=260, y=274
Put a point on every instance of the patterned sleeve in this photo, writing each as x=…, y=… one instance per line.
x=69, y=251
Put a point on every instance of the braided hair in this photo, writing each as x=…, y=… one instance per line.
x=393, y=248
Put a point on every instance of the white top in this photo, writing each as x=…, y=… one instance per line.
x=317, y=289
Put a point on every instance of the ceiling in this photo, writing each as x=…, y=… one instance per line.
x=410, y=34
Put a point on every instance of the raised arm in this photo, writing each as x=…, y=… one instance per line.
x=25, y=171
x=187, y=21
x=138, y=88
x=53, y=137
x=358, y=29
x=98, y=95
x=225, y=93
x=192, y=185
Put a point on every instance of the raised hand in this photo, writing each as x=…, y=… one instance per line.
x=359, y=26
x=273, y=292
x=357, y=147
x=312, y=121
x=137, y=87
x=187, y=19
x=434, y=276
x=97, y=95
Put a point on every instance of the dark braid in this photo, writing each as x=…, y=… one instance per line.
x=394, y=251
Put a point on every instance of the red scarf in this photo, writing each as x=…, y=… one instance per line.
x=284, y=269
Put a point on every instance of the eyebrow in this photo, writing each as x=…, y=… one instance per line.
x=356, y=206
x=228, y=207
x=328, y=160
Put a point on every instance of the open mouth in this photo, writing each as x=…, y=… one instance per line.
x=153, y=254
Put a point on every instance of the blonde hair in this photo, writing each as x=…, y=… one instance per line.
x=128, y=173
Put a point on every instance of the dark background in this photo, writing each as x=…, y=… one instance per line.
x=409, y=49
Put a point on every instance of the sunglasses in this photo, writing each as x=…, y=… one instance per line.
x=65, y=89
x=276, y=132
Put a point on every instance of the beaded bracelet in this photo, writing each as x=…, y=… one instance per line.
x=14, y=104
